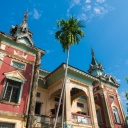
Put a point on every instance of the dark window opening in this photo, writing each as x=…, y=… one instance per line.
x=38, y=108
x=56, y=99
x=38, y=94
x=95, y=98
x=80, y=105
x=111, y=97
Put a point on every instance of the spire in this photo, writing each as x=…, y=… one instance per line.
x=21, y=33
x=24, y=25
x=95, y=69
x=94, y=61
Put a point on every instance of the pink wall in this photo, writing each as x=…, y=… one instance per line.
x=6, y=67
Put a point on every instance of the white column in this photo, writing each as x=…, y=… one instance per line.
x=68, y=102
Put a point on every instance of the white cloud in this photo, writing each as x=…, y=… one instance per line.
x=76, y=1
x=91, y=9
x=88, y=1
x=82, y=16
x=50, y=32
x=49, y=51
x=87, y=8
x=36, y=14
x=100, y=10
x=126, y=62
x=100, y=1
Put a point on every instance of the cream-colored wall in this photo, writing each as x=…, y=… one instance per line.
x=75, y=108
x=43, y=99
x=18, y=123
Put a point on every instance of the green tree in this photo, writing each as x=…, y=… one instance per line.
x=69, y=33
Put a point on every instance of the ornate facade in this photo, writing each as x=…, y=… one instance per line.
x=92, y=100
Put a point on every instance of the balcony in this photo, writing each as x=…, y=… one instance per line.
x=45, y=121
x=80, y=118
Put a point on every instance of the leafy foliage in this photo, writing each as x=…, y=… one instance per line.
x=69, y=32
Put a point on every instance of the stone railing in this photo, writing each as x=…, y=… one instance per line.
x=79, y=118
x=40, y=120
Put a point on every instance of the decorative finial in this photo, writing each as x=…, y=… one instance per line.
x=92, y=51
x=26, y=16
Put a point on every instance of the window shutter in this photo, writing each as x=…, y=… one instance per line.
x=18, y=95
x=6, y=86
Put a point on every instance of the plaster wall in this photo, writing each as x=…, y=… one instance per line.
x=27, y=73
x=18, y=123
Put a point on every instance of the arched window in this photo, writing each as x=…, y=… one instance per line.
x=116, y=115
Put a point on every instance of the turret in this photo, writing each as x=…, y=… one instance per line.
x=21, y=33
x=95, y=68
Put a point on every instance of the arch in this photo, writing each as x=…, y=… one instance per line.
x=78, y=86
x=53, y=90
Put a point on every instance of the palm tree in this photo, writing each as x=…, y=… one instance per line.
x=69, y=33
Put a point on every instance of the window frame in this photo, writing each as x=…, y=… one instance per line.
x=19, y=63
x=116, y=115
x=4, y=93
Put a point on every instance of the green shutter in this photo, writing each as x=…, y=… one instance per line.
x=6, y=86
x=18, y=95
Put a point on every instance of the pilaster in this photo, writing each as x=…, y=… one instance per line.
x=68, y=101
x=92, y=108
x=108, y=117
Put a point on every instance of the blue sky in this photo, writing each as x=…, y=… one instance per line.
x=106, y=31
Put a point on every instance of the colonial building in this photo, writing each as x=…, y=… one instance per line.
x=17, y=61
x=92, y=100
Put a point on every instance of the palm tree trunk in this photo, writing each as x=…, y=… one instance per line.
x=62, y=94
x=31, y=111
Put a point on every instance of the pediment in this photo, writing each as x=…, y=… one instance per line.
x=26, y=39
x=111, y=79
x=15, y=75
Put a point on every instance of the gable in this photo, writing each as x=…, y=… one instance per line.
x=15, y=75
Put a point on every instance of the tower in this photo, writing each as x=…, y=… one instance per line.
x=18, y=64
x=107, y=100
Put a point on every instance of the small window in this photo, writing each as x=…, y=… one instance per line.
x=95, y=98
x=56, y=99
x=6, y=125
x=38, y=108
x=111, y=97
x=80, y=105
x=18, y=64
x=38, y=94
x=12, y=91
x=116, y=115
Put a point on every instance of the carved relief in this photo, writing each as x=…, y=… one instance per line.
x=20, y=54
